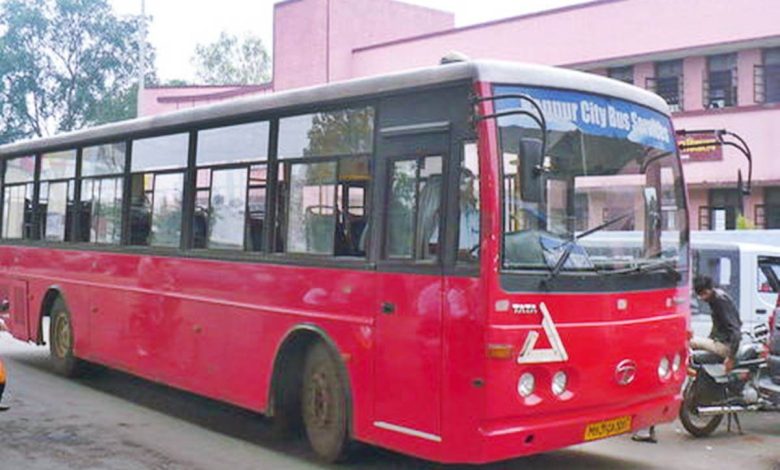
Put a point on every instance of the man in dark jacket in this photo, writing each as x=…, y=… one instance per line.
x=726, y=325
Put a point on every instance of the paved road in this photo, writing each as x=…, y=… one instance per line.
x=115, y=421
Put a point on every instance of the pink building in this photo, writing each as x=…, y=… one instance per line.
x=716, y=62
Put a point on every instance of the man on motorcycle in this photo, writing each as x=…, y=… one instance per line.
x=726, y=324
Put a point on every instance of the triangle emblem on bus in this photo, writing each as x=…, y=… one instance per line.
x=530, y=354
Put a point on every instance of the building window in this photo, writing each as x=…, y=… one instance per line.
x=623, y=74
x=720, y=82
x=668, y=83
x=725, y=206
x=767, y=77
x=768, y=214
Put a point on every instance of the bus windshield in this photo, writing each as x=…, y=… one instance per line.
x=607, y=195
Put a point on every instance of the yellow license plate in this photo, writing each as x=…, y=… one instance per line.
x=610, y=427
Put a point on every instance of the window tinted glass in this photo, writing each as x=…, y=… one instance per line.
x=166, y=209
x=311, y=218
x=258, y=178
x=58, y=165
x=343, y=132
x=240, y=143
x=160, y=153
x=17, y=211
x=101, y=219
x=413, y=208
x=54, y=201
x=228, y=209
x=103, y=159
x=468, y=238
x=155, y=209
x=20, y=170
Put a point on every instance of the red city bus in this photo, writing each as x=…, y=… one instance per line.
x=465, y=263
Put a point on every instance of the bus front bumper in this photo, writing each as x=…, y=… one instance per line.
x=505, y=440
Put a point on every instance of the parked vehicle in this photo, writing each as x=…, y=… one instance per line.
x=713, y=393
x=742, y=270
x=774, y=346
x=2, y=386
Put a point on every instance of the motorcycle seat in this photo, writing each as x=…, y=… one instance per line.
x=706, y=357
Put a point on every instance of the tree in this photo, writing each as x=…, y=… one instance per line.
x=232, y=60
x=65, y=64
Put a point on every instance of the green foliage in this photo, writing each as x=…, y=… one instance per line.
x=231, y=60
x=65, y=64
x=744, y=224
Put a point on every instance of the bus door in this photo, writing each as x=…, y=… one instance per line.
x=408, y=364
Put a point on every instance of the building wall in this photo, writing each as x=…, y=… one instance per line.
x=602, y=31
x=314, y=39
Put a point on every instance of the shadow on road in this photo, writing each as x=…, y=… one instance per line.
x=252, y=427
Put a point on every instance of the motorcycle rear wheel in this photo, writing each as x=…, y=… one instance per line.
x=697, y=426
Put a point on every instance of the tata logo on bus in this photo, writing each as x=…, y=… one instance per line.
x=524, y=309
x=530, y=353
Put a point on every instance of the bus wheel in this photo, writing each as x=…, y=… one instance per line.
x=324, y=404
x=61, y=340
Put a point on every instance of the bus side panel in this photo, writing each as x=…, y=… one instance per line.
x=463, y=400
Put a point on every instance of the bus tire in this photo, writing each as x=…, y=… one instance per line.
x=324, y=404
x=61, y=341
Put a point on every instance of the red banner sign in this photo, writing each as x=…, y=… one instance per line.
x=699, y=148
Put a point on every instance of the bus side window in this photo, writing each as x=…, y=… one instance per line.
x=323, y=181
x=413, y=208
x=229, y=211
x=468, y=205
x=157, y=185
x=100, y=208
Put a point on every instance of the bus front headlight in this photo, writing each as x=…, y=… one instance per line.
x=526, y=385
x=559, y=383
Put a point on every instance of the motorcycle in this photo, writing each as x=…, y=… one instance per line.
x=711, y=393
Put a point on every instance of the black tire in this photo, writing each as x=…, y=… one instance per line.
x=325, y=407
x=61, y=341
x=697, y=426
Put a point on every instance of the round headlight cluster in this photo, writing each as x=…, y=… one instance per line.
x=664, y=368
x=559, y=383
x=676, y=362
x=526, y=385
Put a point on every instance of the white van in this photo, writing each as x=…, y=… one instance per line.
x=747, y=271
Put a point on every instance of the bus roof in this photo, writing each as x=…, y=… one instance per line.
x=478, y=70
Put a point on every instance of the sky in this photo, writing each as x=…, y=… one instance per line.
x=177, y=26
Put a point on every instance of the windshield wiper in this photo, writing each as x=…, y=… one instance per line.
x=665, y=265
x=569, y=245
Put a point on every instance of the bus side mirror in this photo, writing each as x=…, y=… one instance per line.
x=532, y=164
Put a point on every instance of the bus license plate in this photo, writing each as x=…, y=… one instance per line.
x=610, y=427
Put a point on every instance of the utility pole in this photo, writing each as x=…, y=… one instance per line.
x=142, y=58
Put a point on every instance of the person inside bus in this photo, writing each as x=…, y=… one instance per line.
x=726, y=324
x=468, y=238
